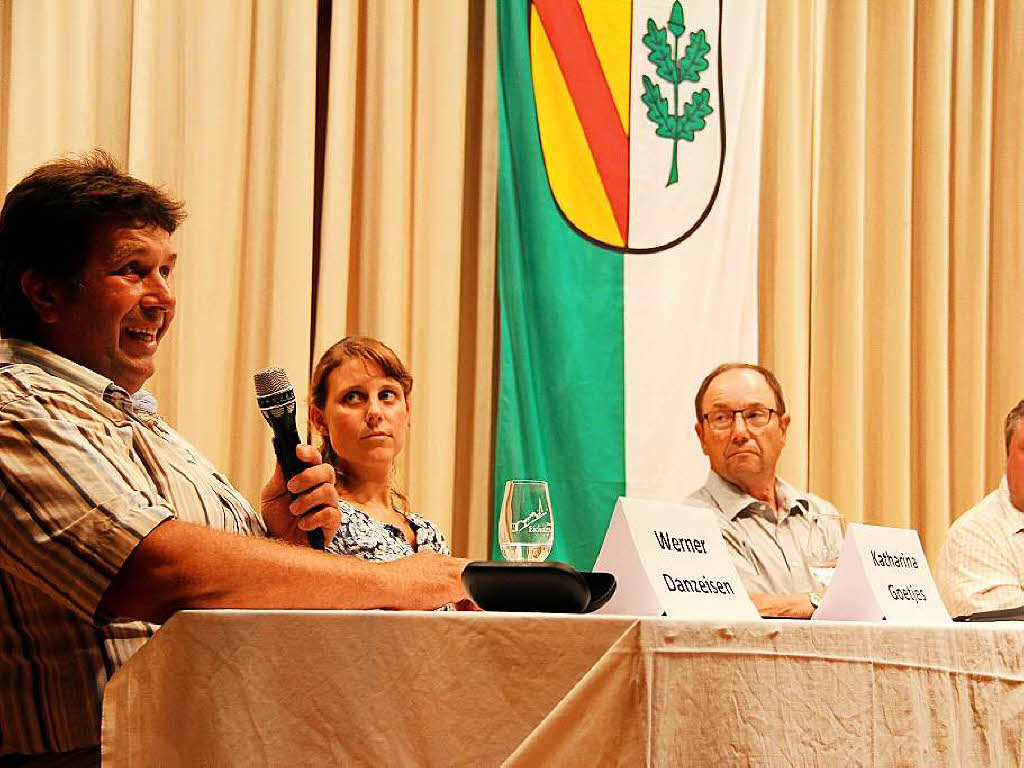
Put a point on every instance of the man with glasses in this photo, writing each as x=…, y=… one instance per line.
x=766, y=523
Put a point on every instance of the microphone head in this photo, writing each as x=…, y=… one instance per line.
x=274, y=392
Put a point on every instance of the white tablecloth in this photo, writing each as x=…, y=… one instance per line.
x=370, y=688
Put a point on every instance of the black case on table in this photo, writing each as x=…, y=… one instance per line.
x=537, y=587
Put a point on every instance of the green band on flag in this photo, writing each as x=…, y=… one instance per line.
x=560, y=402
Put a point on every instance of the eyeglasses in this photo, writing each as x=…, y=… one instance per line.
x=754, y=418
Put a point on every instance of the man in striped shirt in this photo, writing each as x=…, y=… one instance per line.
x=109, y=520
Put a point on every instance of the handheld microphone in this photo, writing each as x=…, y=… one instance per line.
x=276, y=399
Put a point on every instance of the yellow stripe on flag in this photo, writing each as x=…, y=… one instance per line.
x=570, y=164
x=610, y=25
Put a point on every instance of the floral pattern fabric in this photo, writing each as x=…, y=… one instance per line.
x=366, y=537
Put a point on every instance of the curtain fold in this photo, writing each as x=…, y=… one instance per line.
x=973, y=421
x=222, y=115
x=930, y=267
x=407, y=244
x=891, y=251
x=1005, y=364
x=435, y=256
x=784, y=252
x=472, y=521
x=837, y=268
x=67, y=82
x=885, y=313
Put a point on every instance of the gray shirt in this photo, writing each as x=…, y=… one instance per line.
x=769, y=552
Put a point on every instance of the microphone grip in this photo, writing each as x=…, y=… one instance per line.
x=285, y=441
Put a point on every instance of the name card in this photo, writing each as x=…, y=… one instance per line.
x=670, y=559
x=882, y=574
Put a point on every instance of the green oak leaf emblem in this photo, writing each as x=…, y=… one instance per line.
x=675, y=69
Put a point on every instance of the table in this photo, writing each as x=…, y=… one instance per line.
x=369, y=688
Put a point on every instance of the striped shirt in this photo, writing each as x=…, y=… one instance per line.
x=86, y=472
x=981, y=565
x=770, y=553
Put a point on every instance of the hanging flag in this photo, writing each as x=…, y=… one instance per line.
x=630, y=138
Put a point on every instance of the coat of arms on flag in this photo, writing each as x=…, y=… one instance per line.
x=631, y=115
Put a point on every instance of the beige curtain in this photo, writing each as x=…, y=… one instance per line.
x=407, y=243
x=891, y=221
x=381, y=222
x=891, y=249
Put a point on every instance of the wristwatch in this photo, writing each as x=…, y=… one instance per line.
x=815, y=598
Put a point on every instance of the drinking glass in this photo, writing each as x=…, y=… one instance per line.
x=526, y=528
x=825, y=535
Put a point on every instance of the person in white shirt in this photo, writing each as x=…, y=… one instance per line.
x=981, y=565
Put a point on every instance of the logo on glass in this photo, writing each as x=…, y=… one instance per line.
x=526, y=526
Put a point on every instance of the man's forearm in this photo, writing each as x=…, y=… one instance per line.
x=180, y=566
x=783, y=606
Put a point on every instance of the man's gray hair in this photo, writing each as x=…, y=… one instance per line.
x=1012, y=419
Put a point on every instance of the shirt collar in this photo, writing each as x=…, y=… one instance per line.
x=17, y=351
x=733, y=501
x=143, y=401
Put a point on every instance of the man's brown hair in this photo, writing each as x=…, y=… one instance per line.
x=50, y=218
x=1012, y=420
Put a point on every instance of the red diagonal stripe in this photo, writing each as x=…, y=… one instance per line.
x=577, y=58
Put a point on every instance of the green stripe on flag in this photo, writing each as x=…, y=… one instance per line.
x=560, y=399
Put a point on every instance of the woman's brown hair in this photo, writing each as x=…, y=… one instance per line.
x=370, y=351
